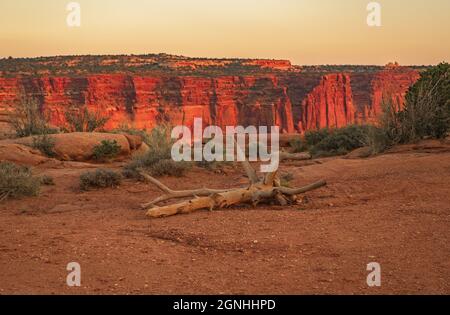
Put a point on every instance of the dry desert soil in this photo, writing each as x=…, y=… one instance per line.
x=393, y=209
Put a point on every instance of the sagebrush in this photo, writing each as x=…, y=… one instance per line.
x=100, y=178
x=17, y=181
x=83, y=120
x=158, y=160
x=45, y=144
x=106, y=150
x=28, y=119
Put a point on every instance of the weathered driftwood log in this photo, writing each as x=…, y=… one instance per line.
x=259, y=190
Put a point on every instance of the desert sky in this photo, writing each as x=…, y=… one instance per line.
x=303, y=31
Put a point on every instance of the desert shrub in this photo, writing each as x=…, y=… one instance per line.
x=101, y=178
x=426, y=112
x=106, y=150
x=28, y=119
x=378, y=139
x=155, y=163
x=47, y=180
x=83, y=120
x=45, y=144
x=160, y=139
x=158, y=160
x=298, y=145
x=17, y=181
x=427, y=106
x=314, y=137
x=338, y=141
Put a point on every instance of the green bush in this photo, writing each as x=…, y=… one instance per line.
x=17, y=181
x=106, y=150
x=82, y=120
x=45, y=144
x=427, y=107
x=298, y=145
x=338, y=141
x=316, y=136
x=101, y=178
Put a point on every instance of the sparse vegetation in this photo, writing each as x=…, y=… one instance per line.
x=158, y=160
x=298, y=145
x=44, y=143
x=427, y=107
x=426, y=112
x=330, y=142
x=101, y=178
x=82, y=120
x=17, y=181
x=28, y=119
x=106, y=150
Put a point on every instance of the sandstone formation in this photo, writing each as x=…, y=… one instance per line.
x=296, y=101
x=77, y=146
x=21, y=154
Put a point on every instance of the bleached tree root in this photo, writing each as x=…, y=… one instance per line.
x=265, y=190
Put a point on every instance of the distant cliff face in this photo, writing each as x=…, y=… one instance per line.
x=296, y=101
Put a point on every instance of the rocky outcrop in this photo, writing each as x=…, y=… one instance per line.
x=21, y=154
x=77, y=146
x=296, y=102
x=329, y=105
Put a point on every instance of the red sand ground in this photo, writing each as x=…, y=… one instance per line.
x=393, y=209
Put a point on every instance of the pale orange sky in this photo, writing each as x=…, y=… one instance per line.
x=303, y=31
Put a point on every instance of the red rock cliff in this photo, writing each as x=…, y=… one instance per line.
x=296, y=102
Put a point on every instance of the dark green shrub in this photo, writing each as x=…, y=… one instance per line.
x=17, y=181
x=101, y=178
x=427, y=107
x=45, y=144
x=315, y=136
x=106, y=150
x=338, y=141
x=298, y=145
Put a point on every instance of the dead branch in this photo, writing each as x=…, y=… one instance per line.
x=263, y=191
x=267, y=189
x=176, y=194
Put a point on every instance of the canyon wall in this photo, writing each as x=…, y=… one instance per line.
x=295, y=101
